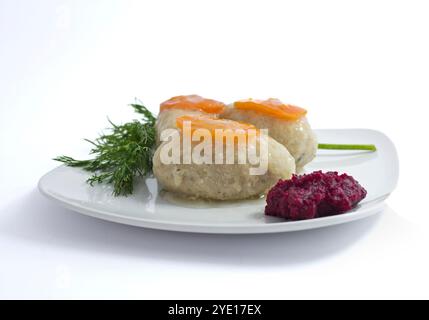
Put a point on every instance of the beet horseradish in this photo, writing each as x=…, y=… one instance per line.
x=314, y=195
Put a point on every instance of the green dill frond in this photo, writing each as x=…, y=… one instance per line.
x=121, y=154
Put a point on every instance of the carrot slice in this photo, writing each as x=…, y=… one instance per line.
x=193, y=102
x=229, y=129
x=272, y=107
x=211, y=124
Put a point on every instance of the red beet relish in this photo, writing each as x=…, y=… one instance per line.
x=314, y=195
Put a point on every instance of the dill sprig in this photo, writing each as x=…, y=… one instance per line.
x=120, y=155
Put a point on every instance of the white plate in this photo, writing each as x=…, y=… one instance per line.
x=148, y=207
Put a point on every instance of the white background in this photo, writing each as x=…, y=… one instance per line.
x=65, y=65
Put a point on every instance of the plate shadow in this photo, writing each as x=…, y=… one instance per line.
x=38, y=220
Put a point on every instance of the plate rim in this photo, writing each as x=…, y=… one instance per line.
x=189, y=227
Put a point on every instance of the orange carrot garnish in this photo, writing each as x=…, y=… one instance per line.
x=272, y=107
x=193, y=102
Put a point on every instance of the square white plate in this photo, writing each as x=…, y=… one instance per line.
x=148, y=207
